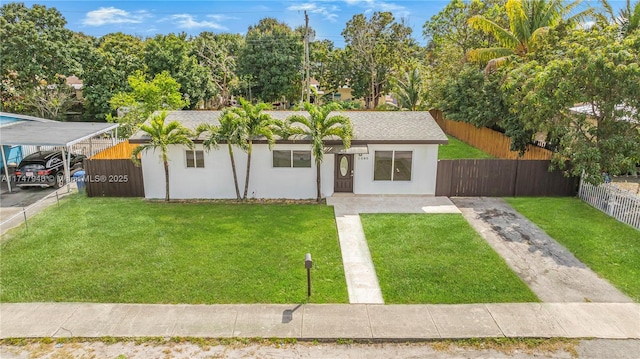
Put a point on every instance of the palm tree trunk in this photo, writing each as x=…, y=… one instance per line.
x=319, y=198
x=246, y=182
x=166, y=180
x=233, y=168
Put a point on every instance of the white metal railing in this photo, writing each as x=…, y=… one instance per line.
x=620, y=204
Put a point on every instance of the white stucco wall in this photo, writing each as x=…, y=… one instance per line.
x=215, y=180
x=423, y=171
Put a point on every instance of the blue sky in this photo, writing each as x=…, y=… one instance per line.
x=150, y=17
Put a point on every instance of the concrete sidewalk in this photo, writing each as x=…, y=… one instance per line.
x=318, y=321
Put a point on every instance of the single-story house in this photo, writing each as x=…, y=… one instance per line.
x=390, y=153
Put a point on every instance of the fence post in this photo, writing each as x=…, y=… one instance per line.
x=26, y=225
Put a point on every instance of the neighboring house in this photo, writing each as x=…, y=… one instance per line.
x=390, y=153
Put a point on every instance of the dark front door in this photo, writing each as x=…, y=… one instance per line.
x=344, y=173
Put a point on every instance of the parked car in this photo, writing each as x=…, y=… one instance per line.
x=46, y=169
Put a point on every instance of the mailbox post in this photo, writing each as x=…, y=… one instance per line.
x=308, y=263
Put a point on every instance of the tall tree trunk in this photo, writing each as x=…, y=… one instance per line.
x=373, y=91
x=318, y=185
x=246, y=182
x=233, y=168
x=166, y=180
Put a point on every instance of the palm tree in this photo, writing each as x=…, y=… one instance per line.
x=256, y=124
x=232, y=131
x=529, y=21
x=627, y=19
x=162, y=135
x=317, y=127
x=409, y=90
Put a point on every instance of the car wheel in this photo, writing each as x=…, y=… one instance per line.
x=59, y=179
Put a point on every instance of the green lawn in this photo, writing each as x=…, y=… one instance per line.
x=610, y=248
x=457, y=149
x=438, y=258
x=133, y=251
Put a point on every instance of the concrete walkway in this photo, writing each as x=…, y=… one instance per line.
x=362, y=282
x=317, y=321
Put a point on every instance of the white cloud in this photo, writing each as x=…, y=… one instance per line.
x=375, y=5
x=186, y=21
x=221, y=17
x=328, y=12
x=112, y=15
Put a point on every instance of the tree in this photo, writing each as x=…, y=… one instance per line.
x=231, y=130
x=376, y=46
x=161, y=136
x=318, y=126
x=627, y=19
x=219, y=53
x=173, y=53
x=35, y=46
x=161, y=93
x=409, y=90
x=272, y=59
x=601, y=72
x=254, y=123
x=115, y=57
x=529, y=21
x=49, y=101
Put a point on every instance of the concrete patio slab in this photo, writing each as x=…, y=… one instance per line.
x=355, y=204
x=336, y=321
x=269, y=321
x=33, y=319
x=406, y=321
x=148, y=320
x=92, y=320
x=464, y=321
x=214, y=321
x=596, y=320
x=525, y=320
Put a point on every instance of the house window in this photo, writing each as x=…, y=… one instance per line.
x=195, y=159
x=290, y=159
x=392, y=166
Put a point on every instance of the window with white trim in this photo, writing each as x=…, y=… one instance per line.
x=289, y=158
x=392, y=166
x=195, y=159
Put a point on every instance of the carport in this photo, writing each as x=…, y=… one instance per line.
x=32, y=131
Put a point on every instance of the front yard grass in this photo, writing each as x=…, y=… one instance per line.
x=608, y=247
x=117, y=250
x=457, y=149
x=438, y=258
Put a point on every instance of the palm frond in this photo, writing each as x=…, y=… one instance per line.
x=504, y=37
x=485, y=55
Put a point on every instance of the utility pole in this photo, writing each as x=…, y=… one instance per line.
x=307, y=80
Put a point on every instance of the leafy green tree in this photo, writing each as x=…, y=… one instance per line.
x=409, y=90
x=272, y=59
x=174, y=54
x=318, y=126
x=49, y=101
x=35, y=46
x=529, y=21
x=161, y=136
x=161, y=93
x=115, y=57
x=231, y=130
x=601, y=72
x=255, y=123
x=219, y=54
x=375, y=46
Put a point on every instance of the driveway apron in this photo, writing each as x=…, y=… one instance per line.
x=552, y=272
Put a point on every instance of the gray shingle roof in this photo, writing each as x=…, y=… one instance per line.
x=368, y=126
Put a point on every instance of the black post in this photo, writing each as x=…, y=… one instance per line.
x=308, y=263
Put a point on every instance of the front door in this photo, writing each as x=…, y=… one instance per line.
x=343, y=173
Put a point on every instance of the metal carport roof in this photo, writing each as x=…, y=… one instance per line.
x=51, y=133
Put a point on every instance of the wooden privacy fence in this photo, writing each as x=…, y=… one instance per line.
x=489, y=141
x=111, y=173
x=619, y=204
x=501, y=178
